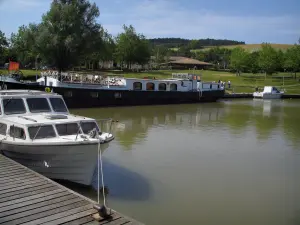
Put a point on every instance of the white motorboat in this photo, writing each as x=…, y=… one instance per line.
x=269, y=92
x=37, y=130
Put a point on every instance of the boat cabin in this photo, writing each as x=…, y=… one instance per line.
x=183, y=82
x=52, y=127
x=26, y=102
x=270, y=89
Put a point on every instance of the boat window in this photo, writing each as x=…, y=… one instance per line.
x=17, y=132
x=38, y=105
x=67, y=129
x=3, y=128
x=162, y=87
x=40, y=132
x=173, y=87
x=13, y=106
x=137, y=86
x=150, y=86
x=88, y=126
x=58, y=105
x=94, y=94
x=68, y=94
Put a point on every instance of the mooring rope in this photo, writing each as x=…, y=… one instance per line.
x=100, y=167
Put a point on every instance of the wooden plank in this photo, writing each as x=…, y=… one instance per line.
x=41, y=182
x=83, y=220
x=71, y=217
x=30, y=198
x=59, y=193
x=21, y=183
x=37, y=205
x=61, y=214
x=25, y=190
x=23, y=195
x=3, y=179
x=15, y=182
x=34, y=212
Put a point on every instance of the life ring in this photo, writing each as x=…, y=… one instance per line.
x=47, y=89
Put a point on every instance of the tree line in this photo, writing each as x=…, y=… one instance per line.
x=69, y=34
x=196, y=43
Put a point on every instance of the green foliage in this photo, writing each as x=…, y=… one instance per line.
x=23, y=44
x=238, y=59
x=69, y=31
x=292, y=59
x=3, y=47
x=161, y=54
x=132, y=48
x=268, y=59
x=252, y=62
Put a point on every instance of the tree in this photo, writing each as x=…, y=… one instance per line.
x=292, y=59
x=238, y=60
x=3, y=47
x=69, y=31
x=23, y=44
x=131, y=48
x=252, y=62
x=268, y=59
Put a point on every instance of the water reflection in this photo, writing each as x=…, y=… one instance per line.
x=208, y=164
x=266, y=116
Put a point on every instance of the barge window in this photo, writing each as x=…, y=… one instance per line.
x=150, y=86
x=40, y=132
x=67, y=129
x=58, y=105
x=94, y=94
x=3, y=128
x=162, y=87
x=173, y=87
x=13, y=106
x=137, y=86
x=38, y=105
x=68, y=94
x=17, y=132
x=88, y=126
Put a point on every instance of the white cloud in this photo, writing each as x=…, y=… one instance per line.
x=159, y=18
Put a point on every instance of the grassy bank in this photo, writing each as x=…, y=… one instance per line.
x=245, y=83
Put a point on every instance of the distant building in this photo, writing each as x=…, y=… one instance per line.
x=179, y=62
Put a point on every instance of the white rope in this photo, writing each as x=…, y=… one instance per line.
x=102, y=177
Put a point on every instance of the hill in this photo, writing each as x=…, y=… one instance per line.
x=197, y=44
x=249, y=47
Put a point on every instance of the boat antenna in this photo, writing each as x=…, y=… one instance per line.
x=102, y=210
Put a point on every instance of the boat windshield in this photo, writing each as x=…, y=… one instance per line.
x=41, y=132
x=58, y=105
x=67, y=129
x=38, y=105
x=13, y=106
x=89, y=126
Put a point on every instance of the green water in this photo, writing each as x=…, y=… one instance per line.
x=233, y=162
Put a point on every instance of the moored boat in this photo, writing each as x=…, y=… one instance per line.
x=269, y=92
x=84, y=90
x=37, y=130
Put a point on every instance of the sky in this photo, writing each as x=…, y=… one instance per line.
x=252, y=21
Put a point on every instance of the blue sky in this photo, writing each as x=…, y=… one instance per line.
x=252, y=21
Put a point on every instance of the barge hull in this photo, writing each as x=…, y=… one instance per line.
x=87, y=98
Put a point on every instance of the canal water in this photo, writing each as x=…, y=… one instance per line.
x=231, y=162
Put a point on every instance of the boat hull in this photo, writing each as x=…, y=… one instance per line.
x=267, y=95
x=75, y=163
x=86, y=98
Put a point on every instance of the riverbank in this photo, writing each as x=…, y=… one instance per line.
x=245, y=83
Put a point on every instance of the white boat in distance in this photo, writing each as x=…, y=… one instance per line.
x=37, y=130
x=269, y=92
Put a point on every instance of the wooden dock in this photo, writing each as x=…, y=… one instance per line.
x=27, y=197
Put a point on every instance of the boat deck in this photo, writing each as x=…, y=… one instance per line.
x=27, y=197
